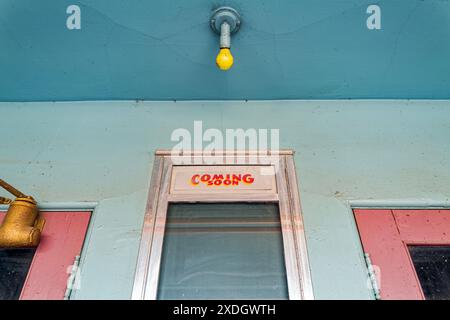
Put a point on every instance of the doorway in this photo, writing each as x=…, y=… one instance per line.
x=409, y=250
x=228, y=230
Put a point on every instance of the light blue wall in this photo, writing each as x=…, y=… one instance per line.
x=159, y=49
x=396, y=151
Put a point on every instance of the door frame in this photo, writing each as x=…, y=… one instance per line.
x=294, y=240
x=400, y=229
x=61, y=246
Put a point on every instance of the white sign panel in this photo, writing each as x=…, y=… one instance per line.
x=223, y=179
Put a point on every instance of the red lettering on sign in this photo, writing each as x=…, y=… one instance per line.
x=195, y=178
x=205, y=177
x=247, y=178
x=220, y=179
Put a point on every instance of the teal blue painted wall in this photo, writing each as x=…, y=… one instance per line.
x=397, y=151
x=157, y=50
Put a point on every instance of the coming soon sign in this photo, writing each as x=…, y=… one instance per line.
x=224, y=179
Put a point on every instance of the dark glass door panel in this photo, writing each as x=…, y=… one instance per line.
x=223, y=251
x=14, y=265
x=432, y=264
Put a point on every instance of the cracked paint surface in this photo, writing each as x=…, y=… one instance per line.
x=164, y=50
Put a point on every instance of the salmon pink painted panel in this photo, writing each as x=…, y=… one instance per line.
x=424, y=226
x=62, y=240
x=386, y=234
x=381, y=240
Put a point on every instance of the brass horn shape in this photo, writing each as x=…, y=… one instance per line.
x=22, y=225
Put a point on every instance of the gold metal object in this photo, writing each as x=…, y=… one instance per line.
x=4, y=200
x=22, y=225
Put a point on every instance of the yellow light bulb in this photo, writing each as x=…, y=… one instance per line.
x=224, y=59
